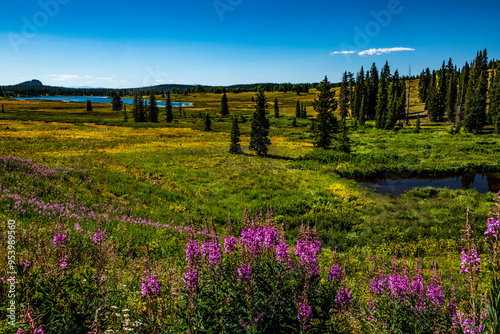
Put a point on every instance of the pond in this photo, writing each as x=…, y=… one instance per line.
x=95, y=99
x=397, y=185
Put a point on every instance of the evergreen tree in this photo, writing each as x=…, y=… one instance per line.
x=135, y=107
x=442, y=86
x=224, y=107
x=476, y=95
x=382, y=97
x=303, y=113
x=297, y=109
x=494, y=94
x=1, y=92
x=3, y=110
x=362, y=111
x=89, y=105
x=359, y=94
x=153, y=108
x=344, y=145
x=276, y=108
x=423, y=85
x=344, y=97
x=432, y=104
x=259, y=134
x=235, y=147
x=117, y=103
x=326, y=123
x=417, y=125
x=372, y=91
x=294, y=122
x=208, y=123
x=168, y=110
x=451, y=97
x=141, y=112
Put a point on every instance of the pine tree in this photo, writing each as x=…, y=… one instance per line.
x=417, y=125
x=208, y=123
x=117, y=103
x=423, y=85
x=344, y=145
x=344, y=97
x=372, y=91
x=451, y=97
x=168, y=110
x=153, y=108
x=294, y=122
x=141, y=112
x=359, y=94
x=303, y=112
x=235, y=147
x=224, y=107
x=1, y=92
x=276, y=108
x=89, y=105
x=297, y=109
x=325, y=124
x=259, y=134
x=494, y=94
x=442, y=86
x=476, y=95
x=382, y=97
x=135, y=107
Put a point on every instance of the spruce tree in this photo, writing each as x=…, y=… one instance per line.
x=135, y=107
x=141, y=112
x=276, y=108
x=303, y=112
x=89, y=105
x=325, y=124
x=259, y=134
x=344, y=97
x=372, y=91
x=117, y=103
x=442, y=87
x=359, y=94
x=224, y=107
x=235, y=147
x=294, y=122
x=297, y=109
x=417, y=125
x=208, y=123
x=1, y=92
x=476, y=95
x=153, y=108
x=344, y=145
x=168, y=110
x=423, y=85
x=494, y=94
x=382, y=97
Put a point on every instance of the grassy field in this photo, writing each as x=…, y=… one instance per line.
x=138, y=181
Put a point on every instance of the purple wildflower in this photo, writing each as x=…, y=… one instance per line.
x=150, y=286
x=282, y=254
x=470, y=262
x=335, y=274
x=64, y=265
x=378, y=286
x=435, y=295
x=244, y=272
x=99, y=237
x=305, y=311
x=191, y=279
x=59, y=240
x=25, y=263
x=400, y=286
x=214, y=252
x=230, y=245
x=270, y=237
x=39, y=330
x=469, y=323
x=343, y=299
x=192, y=253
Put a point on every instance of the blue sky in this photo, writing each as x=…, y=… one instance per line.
x=127, y=43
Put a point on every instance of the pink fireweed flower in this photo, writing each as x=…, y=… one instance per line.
x=343, y=299
x=335, y=274
x=191, y=279
x=244, y=272
x=63, y=263
x=99, y=237
x=59, y=240
x=150, y=286
x=25, y=263
x=214, y=252
x=282, y=254
x=435, y=295
x=192, y=253
x=470, y=323
x=400, y=287
x=493, y=229
x=305, y=311
x=379, y=286
x=230, y=245
x=470, y=262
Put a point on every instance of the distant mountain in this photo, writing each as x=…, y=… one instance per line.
x=33, y=82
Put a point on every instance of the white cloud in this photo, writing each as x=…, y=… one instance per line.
x=63, y=77
x=379, y=51
x=341, y=52
x=107, y=79
x=87, y=76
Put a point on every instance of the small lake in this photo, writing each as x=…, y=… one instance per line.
x=95, y=99
x=399, y=185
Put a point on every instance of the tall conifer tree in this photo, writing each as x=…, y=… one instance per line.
x=235, y=147
x=224, y=107
x=325, y=124
x=259, y=134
